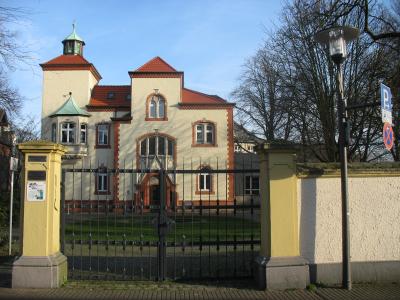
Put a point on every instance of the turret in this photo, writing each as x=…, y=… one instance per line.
x=73, y=44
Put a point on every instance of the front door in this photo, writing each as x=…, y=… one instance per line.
x=154, y=193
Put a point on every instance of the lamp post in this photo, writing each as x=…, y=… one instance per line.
x=336, y=38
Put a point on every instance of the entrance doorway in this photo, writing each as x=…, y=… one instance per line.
x=154, y=192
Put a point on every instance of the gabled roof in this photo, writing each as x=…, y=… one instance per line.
x=70, y=108
x=71, y=62
x=157, y=64
x=68, y=59
x=194, y=97
x=242, y=135
x=100, y=94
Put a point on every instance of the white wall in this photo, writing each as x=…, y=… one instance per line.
x=374, y=219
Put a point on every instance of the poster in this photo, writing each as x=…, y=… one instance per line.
x=36, y=190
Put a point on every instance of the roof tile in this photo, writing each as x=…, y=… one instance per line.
x=157, y=64
x=100, y=95
x=194, y=97
x=68, y=60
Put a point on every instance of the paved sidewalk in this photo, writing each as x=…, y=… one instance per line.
x=231, y=291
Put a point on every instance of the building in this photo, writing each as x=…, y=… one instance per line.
x=247, y=187
x=155, y=122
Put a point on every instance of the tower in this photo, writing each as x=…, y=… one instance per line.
x=69, y=73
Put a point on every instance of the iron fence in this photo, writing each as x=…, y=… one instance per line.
x=159, y=224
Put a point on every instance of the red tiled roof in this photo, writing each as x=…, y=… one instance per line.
x=157, y=64
x=100, y=93
x=193, y=97
x=70, y=62
x=67, y=60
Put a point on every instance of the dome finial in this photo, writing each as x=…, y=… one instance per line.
x=73, y=43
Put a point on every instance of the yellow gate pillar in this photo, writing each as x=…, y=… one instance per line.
x=279, y=265
x=41, y=264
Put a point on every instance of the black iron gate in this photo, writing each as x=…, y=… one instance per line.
x=185, y=234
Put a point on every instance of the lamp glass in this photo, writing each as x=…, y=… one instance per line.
x=337, y=43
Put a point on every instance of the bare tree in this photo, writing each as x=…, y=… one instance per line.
x=259, y=103
x=337, y=10
x=11, y=53
x=302, y=107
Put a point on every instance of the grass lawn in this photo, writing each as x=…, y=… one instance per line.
x=186, y=228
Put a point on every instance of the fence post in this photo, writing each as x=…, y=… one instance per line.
x=41, y=265
x=279, y=265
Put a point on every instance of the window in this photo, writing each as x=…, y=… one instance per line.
x=156, y=108
x=204, y=134
x=156, y=145
x=252, y=185
x=205, y=181
x=128, y=97
x=102, y=182
x=54, y=133
x=68, y=133
x=103, y=135
x=69, y=47
x=110, y=95
x=83, y=133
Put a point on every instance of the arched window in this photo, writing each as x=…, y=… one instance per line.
x=156, y=108
x=204, y=133
x=156, y=145
x=205, y=181
x=54, y=132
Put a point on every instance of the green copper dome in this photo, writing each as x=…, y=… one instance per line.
x=74, y=36
x=73, y=44
x=70, y=108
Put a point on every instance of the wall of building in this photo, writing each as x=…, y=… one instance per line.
x=374, y=226
x=56, y=87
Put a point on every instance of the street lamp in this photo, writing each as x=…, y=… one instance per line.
x=336, y=38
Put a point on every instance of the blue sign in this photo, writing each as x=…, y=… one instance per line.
x=386, y=104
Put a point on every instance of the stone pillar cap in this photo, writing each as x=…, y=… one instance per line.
x=41, y=146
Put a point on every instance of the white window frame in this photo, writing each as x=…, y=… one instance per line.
x=81, y=130
x=102, y=131
x=157, y=152
x=203, y=181
x=102, y=182
x=154, y=107
x=203, y=130
x=70, y=133
x=251, y=189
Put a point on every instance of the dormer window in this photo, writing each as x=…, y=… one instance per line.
x=110, y=95
x=128, y=97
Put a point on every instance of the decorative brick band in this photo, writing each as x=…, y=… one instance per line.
x=116, y=161
x=230, y=151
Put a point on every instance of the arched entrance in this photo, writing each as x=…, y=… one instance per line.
x=150, y=191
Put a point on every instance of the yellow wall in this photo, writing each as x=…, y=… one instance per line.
x=278, y=184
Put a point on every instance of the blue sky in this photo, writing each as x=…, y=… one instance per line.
x=208, y=40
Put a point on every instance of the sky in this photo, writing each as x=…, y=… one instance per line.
x=208, y=40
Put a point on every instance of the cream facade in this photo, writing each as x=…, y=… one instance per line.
x=374, y=225
x=155, y=122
